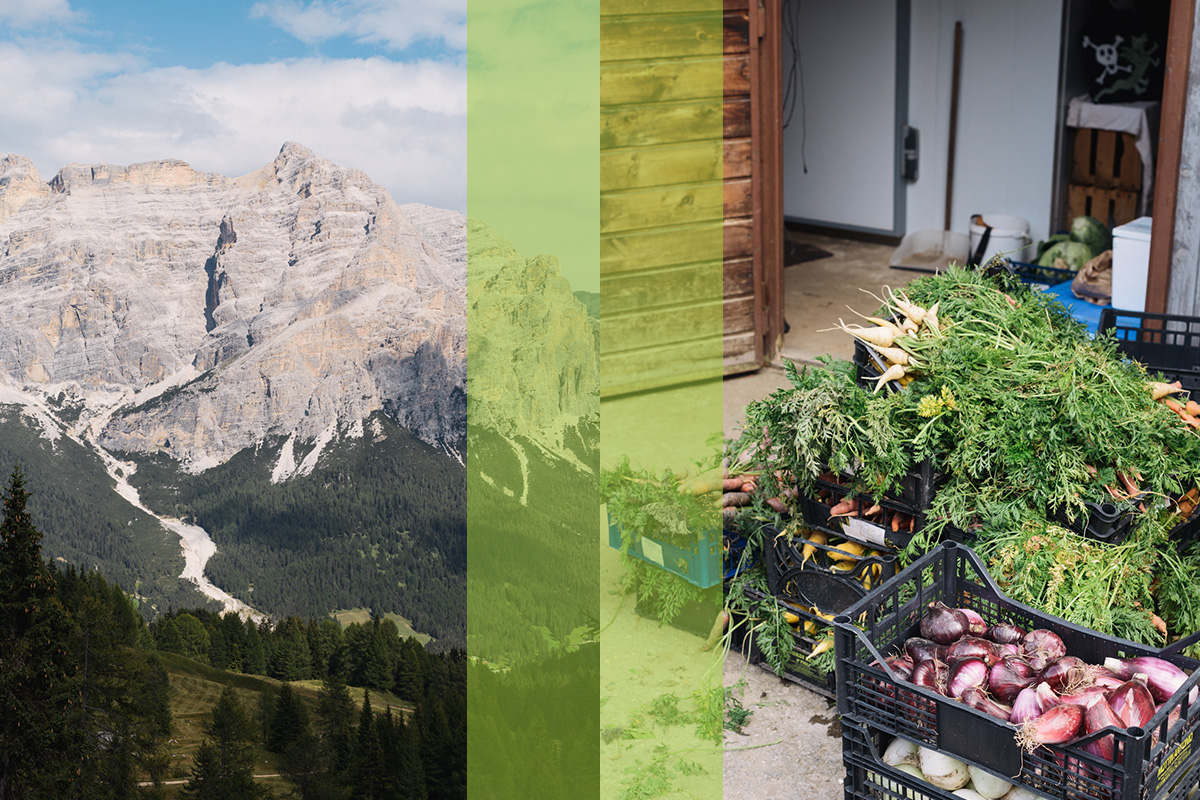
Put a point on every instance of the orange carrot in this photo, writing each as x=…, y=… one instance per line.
x=846, y=507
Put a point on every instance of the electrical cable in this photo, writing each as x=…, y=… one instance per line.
x=793, y=91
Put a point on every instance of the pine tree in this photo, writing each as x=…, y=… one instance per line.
x=369, y=772
x=224, y=765
x=39, y=750
x=289, y=722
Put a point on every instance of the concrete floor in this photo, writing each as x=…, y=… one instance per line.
x=816, y=295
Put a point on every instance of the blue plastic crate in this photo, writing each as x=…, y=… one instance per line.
x=699, y=565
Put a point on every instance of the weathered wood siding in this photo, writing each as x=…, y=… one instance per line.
x=677, y=199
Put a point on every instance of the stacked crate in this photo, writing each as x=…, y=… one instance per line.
x=1106, y=177
x=1157, y=762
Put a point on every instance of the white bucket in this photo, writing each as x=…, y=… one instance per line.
x=1010, y=237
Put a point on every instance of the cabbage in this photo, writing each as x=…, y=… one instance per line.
x=1092, y=232
x=1073, y=254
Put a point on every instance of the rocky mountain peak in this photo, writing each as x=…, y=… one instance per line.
x=196, y=315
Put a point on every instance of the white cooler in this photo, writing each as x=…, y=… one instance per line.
x=1131, y=264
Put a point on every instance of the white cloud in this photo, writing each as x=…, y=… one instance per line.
x=391, y=23
x=26, y=13
x=403, y=124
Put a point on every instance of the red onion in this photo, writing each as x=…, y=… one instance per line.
x=943, y=624
x=1058, y=725
x=1163, y=678
x=901, y=665
x=975, y=623
x=931, y=675
x=1067, y=671
x=1133, y=703
x=1099, y=715
x=967, y=673
x=1084, y=696
x=978, y=700
x=1026, y=706
x=1009, y=677
x=1042, y=648
x=1009, y=649
x=1047, y=699
x=972, y=647
x=919, y=649
x=1005, y=633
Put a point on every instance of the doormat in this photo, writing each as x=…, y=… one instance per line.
x=799, y=252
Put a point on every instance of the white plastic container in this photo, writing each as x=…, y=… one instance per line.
x=1131, y=264
x=1010, y=236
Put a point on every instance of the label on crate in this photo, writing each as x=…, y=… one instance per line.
x=652, y=550
x=1174, y=760
x=866, y=531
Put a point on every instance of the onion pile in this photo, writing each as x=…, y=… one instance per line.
x=1027, y=679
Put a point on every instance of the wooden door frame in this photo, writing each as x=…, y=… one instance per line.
x=766, y=143
x=1170, y=145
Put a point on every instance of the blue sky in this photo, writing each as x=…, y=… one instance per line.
x=375, y=84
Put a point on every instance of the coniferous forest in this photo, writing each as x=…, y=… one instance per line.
x=88, y=701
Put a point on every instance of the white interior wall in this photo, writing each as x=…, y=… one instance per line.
x=846, y=125
x=1007, y=113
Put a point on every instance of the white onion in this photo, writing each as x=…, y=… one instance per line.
x=943, y=771
x=900, y=751
x=894, y=787
x=967, y=794
x=1021, y=793
x=987, y=784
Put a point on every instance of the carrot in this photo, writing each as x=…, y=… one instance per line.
x=931, y=320
x=718, y=629
x=873, y=510
x=846, y=507
x=731, y=484
x=894, y=373
x=809, y=551
x=883, y=337
x=1192, y=408
x=1160, y=390
x=1130, y=486
x=734, y=499
x=1171, y=404
x=749, y=486
x=894, y=355
x=776, y=504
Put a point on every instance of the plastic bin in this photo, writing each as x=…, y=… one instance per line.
x=797, y=669
x=868, y=778
x=699, y=564
x=1148, y=763
x=1166, y=343
x=1104, y=522
x=814, y=582
x=1040, y=277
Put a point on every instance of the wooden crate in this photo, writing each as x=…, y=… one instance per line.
x=1113, y=207
x=1106, y=159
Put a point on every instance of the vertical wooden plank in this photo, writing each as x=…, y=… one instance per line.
x=1170, y=141
x=1081, y=156
x=1129, y=172
x=1106, y=152
x=1124, y=205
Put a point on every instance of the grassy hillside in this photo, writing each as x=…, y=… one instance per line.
x=86, y=523
x=379, y=524
x=194, y=691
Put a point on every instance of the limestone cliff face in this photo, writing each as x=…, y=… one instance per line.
x=531, y=339
x=196, y=314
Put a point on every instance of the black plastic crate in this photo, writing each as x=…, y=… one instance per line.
x=868, y=778
x=797, y=668
x=815, y=582
x=877, y=532
x=869, y=366
x=1104, y=522
x=1166, y=343
x=1147, y=763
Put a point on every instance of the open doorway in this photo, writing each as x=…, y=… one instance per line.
x=867, y=148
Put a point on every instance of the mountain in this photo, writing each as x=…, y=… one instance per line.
x=158, y=317
x=279, y=362
x=194, y=314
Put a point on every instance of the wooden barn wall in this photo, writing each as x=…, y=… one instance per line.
x=677, y=200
